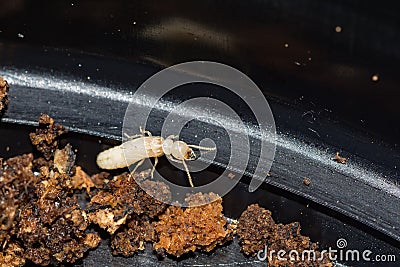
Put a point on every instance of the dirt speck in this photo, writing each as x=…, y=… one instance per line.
x=339, y=159
x=3, y=94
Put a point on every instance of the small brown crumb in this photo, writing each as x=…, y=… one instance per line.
x=16, y=181
x=231, y=175
x=81, y=179
x=106, y=219
x=100, y=179
x=39, y=256
x=339, y=159
x=306, y=181
x=184, y=230
x=256, y=229
x=132, y=237
x=124, y=197
x=64, y=159
x=46, y=135
x=42, y=162
x=92, y=240
x=375, y=78
x=13, y=255
x=3, y=94
x=255, y=226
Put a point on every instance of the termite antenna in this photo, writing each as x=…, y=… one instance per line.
x=188, y=173
x=203, y=147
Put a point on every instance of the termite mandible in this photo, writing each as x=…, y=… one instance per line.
x=145, y=145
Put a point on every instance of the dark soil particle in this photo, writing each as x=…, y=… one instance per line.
x=111, y=208
x=45, y=137
x=3, y=94
x=16, y=183
x=255, y=227
x=306, y=181
x=257, y=230
x=132, y=237
x=41, y=220
x=339, y=159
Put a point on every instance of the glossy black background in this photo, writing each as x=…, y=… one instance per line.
x=249, y=35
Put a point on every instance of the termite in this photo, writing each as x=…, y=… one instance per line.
x=145, y=145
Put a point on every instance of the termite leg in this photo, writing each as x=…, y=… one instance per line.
x=154, y=167
x=172, y=159
x=137, y=165
x=143, y=132
x=173, y=137
x=188, y=173
x=133, y=136
x=184, y=165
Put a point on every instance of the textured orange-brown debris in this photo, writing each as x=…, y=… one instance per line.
x=200, y=227
x=111, y=208
x=339, y=159
x=256, y=230
x=13, y=255
x=3, y=94
x=46, y=136
x=81, y=180
x=132, y=237
x=41, y=208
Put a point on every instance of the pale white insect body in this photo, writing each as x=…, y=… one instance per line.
x=130, y=152
x=142, y=147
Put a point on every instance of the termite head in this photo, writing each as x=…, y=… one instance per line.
x=178, y=149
